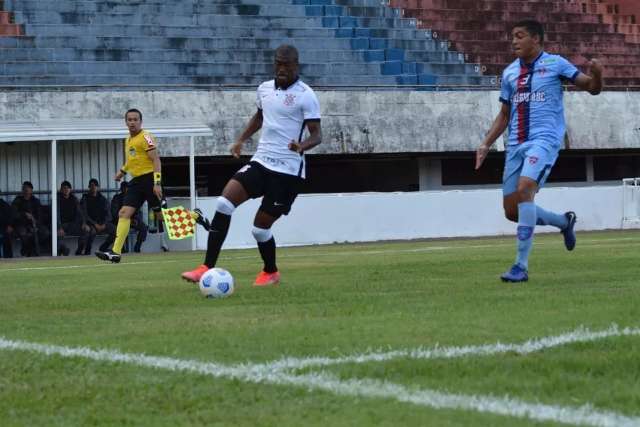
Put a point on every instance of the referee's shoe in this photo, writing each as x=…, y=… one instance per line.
x=108, y=255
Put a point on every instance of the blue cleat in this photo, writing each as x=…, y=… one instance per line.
x=568, y=233
x=515, y=275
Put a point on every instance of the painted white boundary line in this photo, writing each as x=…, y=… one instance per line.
x=590, y=243
x=584, y=415
x=579, y=335
x=101, y=265
x=253, y=373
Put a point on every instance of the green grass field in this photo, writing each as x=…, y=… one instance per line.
x=335, y=303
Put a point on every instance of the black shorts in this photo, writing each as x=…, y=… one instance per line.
x=279, y=189
x=140, y=189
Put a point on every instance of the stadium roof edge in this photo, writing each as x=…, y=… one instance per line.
x=82, y=129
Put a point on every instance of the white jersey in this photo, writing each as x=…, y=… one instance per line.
x=284, y=116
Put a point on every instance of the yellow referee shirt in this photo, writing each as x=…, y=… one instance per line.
x=136, y=148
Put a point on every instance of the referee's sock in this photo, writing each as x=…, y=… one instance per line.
x=217, y=234
x=121, y=234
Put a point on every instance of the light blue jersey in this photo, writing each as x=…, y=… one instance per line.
x=534, y=93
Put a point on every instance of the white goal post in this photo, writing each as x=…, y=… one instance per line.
x=631, y=203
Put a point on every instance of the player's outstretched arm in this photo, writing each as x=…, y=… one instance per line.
x=499, y=126
x=592, y=81
x=254, y=125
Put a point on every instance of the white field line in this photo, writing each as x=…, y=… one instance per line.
x=103, y=264
x=590, y=243
x=579, y=335
x=364, y=388
x=584, y=415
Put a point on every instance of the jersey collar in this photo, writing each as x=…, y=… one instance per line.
x=275, y=82
x=522, y=64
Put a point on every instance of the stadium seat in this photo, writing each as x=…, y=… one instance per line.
x=7, y=25
x=578, y=30
x=185, y=42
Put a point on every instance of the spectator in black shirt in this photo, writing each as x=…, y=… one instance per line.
x=31, y=231
x=7, y=217
x=70, y=220
x=95, y=209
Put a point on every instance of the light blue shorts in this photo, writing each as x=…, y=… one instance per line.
x=530, y=159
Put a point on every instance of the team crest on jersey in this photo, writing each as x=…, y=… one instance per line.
x=289, y=100
x=149, y=140
x=132, y=152
x=533, y=160
x=542, y=71
x=525, y=80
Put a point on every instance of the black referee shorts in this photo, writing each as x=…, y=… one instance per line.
x=279, y=189
x=139, y=190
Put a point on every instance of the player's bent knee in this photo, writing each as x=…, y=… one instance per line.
x=225, y=206
x=262, y=234
x=126, y=213
x=526, y=193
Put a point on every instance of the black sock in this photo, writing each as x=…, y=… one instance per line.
x=217, y=234
x=268, y=253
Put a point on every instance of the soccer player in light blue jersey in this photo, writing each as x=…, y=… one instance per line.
x=532, y=109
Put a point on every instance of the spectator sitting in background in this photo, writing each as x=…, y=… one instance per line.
x=70, y=220
x=136, y=221
x=31, y=231
x=7, y=217
x=95, y=209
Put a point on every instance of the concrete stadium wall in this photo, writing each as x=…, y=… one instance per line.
x=330, y=218
x=383, y=121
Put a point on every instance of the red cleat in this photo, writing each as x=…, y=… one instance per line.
x=195, y=275
x=267, y=279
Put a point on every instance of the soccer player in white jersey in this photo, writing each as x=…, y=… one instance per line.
x=286, y=106
x=532, y=109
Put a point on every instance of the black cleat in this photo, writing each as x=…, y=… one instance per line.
x=201, y=219
x=108, y=256
x=569, y=233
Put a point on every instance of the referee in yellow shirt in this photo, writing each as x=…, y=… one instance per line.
x=143, y=164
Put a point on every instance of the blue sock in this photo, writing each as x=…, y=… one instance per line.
x=551, y=218
x=526, y=224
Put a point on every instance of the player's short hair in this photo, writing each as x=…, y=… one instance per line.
x=27, y=184
x=133, y=110
x=288, y=51
x=94, y=181
x=532, y=26
x=65, y=184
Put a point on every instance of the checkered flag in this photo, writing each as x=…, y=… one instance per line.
x=179, y=222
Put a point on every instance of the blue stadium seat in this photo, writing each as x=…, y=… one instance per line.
x=185, y=42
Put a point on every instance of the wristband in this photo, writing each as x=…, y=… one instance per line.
x=124, y=172
x=157, y=178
